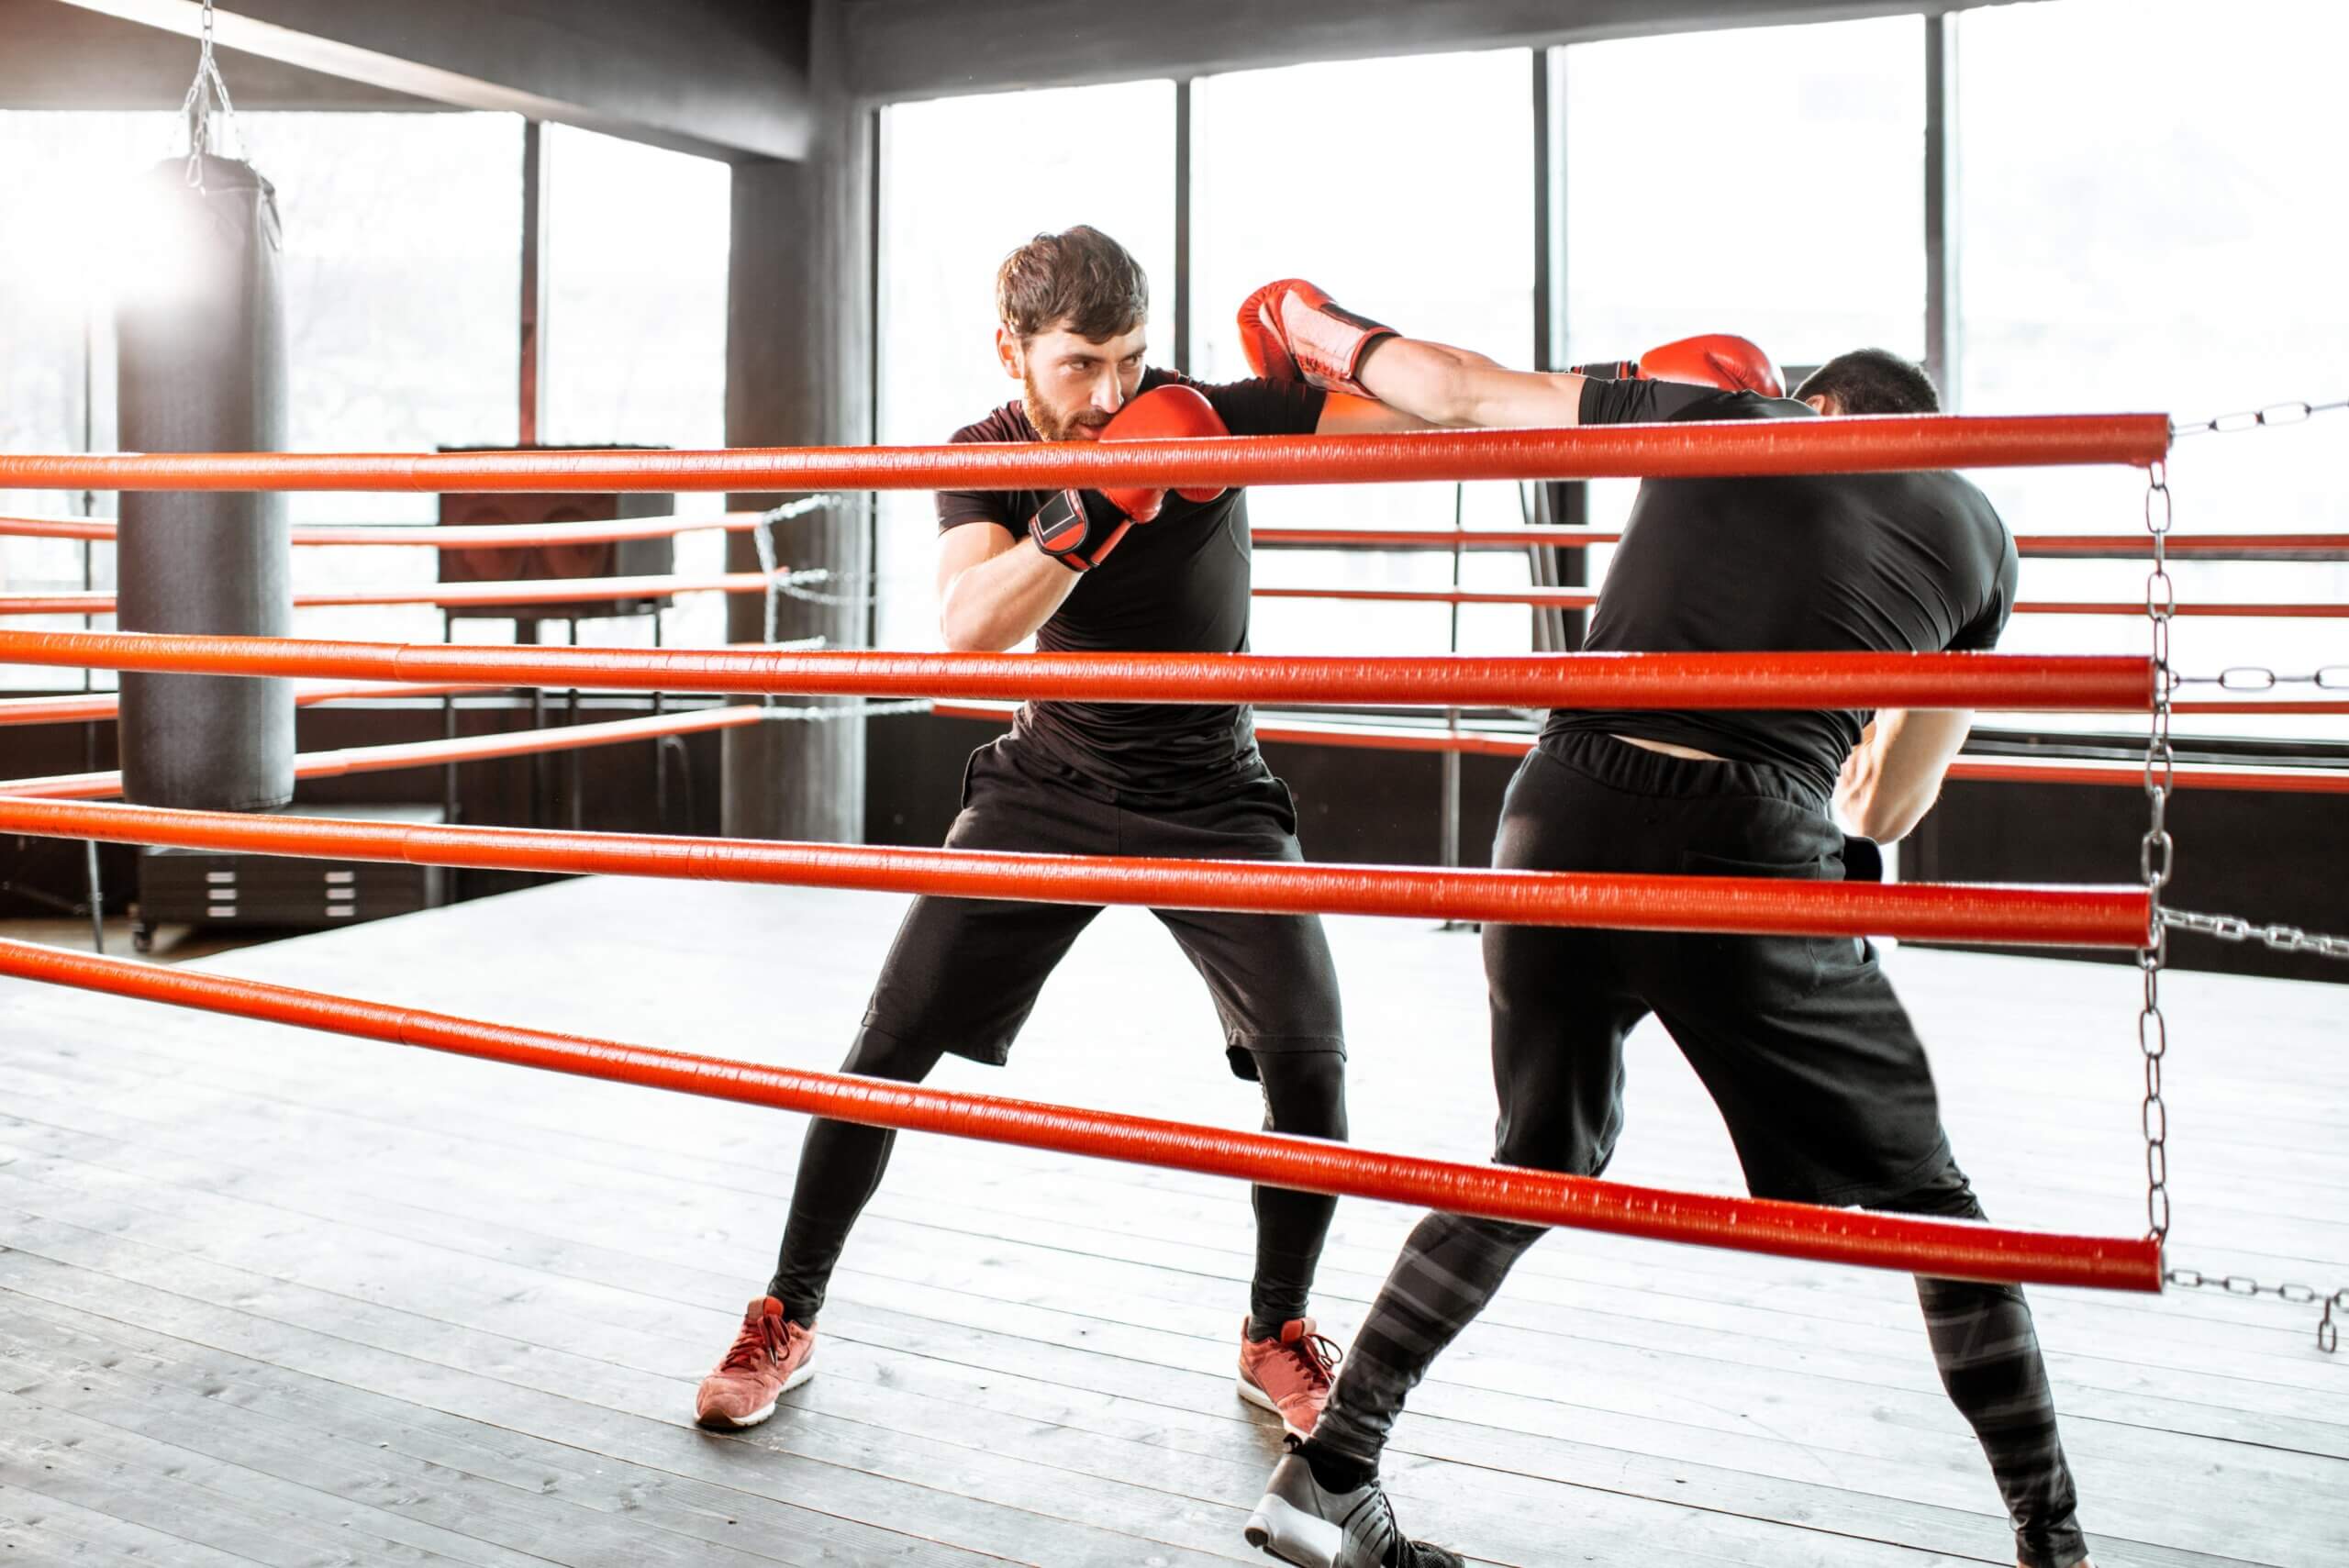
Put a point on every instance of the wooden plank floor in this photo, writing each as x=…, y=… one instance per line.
x=268, y=1296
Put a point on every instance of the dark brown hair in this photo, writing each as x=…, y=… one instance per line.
x=1080, y=279
x=1873, y=381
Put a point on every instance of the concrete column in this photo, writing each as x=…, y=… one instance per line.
x=798, y=349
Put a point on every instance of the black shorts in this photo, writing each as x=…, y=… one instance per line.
x=964, y=974
x=1800, y=1040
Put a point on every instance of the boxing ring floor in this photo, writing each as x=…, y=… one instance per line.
x=271, y=1296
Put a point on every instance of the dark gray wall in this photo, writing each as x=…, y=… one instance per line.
x=723, y=78
x=916, y=48
x=55, y=56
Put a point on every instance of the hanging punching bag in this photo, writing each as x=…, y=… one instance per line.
x=201, y=362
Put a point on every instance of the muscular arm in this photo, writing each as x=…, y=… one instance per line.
x=1893, y=776
x=1442, y=385
x=994, y=588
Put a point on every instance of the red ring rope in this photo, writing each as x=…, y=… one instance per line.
x=1696, y=449
x=1486, y=743
x=451, y=536
x=2011, y=682
x=2109, y=547
x=1585, y=598
x=2004, y=914
x=1950, y=1249
x=487, y=536
x=431, y=754
x=89, y=707
x=532, y=591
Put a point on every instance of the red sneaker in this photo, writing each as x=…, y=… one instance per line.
x=1290, y=1375
x=769, y=1358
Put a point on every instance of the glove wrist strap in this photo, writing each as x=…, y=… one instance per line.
x=1063, y=529
x=1329, y=343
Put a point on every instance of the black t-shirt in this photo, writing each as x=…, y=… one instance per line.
x=1856, y=562
x=1176, y=584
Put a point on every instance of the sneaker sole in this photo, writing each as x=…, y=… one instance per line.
x=1264, y=1401
x=1284, y=1531
x=760, y=1414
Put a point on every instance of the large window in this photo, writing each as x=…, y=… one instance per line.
x=1766, y=181
x=2130, y=245
x=635, y=328
x=401, y=279
x=965, y=181
x=402, y=284
x=1427, y=225
x=62, y=177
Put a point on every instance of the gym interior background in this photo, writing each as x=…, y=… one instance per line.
x=777, y=224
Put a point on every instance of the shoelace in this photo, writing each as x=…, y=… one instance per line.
x=1319, y=1351
x=757, y=1342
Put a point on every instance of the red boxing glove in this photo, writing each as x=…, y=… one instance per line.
x=1173, y=412
x=1079, y=528
x=1290, y=331
x=1714, y=358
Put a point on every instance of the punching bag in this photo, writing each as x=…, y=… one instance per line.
x=200, y=337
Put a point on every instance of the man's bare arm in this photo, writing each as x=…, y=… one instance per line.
x=994, y=588
x=1895, y=774
x=1454, y=387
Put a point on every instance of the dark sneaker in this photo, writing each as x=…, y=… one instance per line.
x=1299, y=1522
x=769, y=1358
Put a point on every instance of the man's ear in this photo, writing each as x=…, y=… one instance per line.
x=1825, y=402
x=1007, y=351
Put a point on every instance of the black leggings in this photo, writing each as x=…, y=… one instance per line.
x=842, y=1163
x=1983, y=1341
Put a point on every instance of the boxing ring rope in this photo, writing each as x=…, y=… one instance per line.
x=1585, y=598
x=562, y=590
x=1947, y=1248
x=2037, y=916
x=430, y=536
x=95, y=707
x=2006, y=682
x=490, y=536
x=448, y=596
x=1863, y=444
x=2306, y=707
x=2050, y=547
x=353, y=760
x=1391, y=738
x=1494, y=743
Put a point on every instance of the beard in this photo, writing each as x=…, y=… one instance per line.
x=1083, y=425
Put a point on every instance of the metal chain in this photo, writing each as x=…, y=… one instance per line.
x=763, y=541
x=2260, y=678
x=2328, y=1327
x=796, y=586
x=2154, y=857
x=196, y=108
x=801, y=507
x=2275, y=414
x=2280, y=937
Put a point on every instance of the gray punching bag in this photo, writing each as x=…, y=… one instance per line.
x=201, y=361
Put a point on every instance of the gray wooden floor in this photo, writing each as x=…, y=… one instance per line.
x=270, y=1297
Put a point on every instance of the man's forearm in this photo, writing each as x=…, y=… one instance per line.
x=998, y=602
x=1445, y=385
x=1893, y=777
